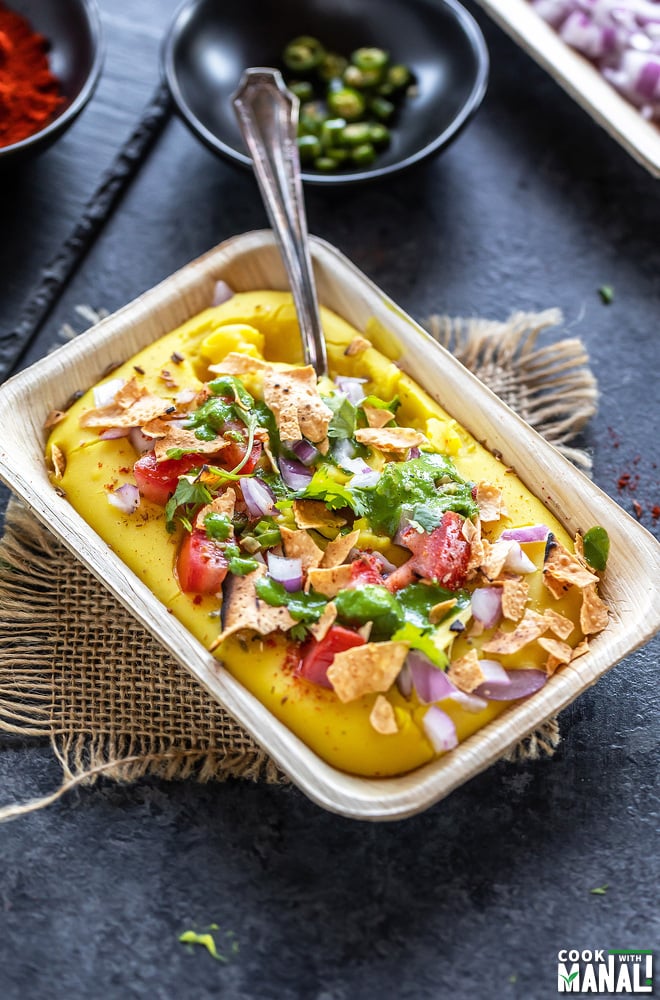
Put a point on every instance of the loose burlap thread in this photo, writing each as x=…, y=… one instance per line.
x=76, y=668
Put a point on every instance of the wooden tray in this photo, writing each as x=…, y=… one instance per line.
x=252, y=261
x=580, y=79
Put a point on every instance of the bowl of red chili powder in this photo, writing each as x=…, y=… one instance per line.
x=50, y=61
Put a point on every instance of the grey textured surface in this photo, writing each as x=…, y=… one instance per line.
x=534, y=206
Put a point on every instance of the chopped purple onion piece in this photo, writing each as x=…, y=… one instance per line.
x=221, y=293
x=258, y=496
x=521, y=684
x=288, y=572
x=440, y=729
x=304, y=451
x=295, y=474
x=126, y=498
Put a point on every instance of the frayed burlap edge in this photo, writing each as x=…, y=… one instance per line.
x=551, y=387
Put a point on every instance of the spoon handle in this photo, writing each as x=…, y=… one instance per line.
x=267, y=113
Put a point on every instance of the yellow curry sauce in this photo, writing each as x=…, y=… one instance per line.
x=262, y=325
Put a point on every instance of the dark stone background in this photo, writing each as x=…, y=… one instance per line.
x=533, y=206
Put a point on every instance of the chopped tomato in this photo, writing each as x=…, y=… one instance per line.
x=157, y=481
x=317, y=656
x=441, y=555
x=201, y=564
x=366, y=569
x=233, y=454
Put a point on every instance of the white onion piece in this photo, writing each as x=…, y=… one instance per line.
x=520, y=684
x=365, y=480
x=430, y=683
x=288, y=572
x=221, y=293
x=517, y=562
x=112, y=433
x=487, y=605
x=258, y=497
x=404, y=681
x=469, y=702
x=126, y=498
x=105, y=393
x=530, y=533
x=356, y=465
x=351, y=388
x=140, y=441
x=440, y=729
x=493, y=672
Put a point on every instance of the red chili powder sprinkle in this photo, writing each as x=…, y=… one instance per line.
x=639, y=510
x=655, y=512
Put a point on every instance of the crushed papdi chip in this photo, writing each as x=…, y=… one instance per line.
x=294, y=398
x=561, y=571
x=515, y=591
x=561, y=626
x=133, y=406
x=337, y=550
x=490, y=502
x=243, y=609
x=366, y=669
x=390, y=439
x=315, y=514
x=530, y=628
x=376, y=416
x=357, y=346
x=494, y=556
x=594, y=614
x=58, y=460
x=581, y=648
x=239, y=364
x=465, y=672
x=330, y=581
x=321, y=628
x=300, y=545
x=53, y=418
x=172, y=437
x=438, y=611
x=559, y=653
x=382, y=717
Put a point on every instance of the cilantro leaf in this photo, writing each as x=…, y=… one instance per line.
x=596, y=547
x=334, y=494
x=186, y=501
x=370, y=603
x=417, y=599
x=344, y=415
x=380, y=404
x=306, y=608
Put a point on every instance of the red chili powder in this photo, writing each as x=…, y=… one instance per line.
x=29, y=93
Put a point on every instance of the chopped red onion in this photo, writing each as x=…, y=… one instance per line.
x=288, y=572
x=440, y=729
x=531, y=533
x=221, y=293
x=258, y=496
x=517, y=562
x=295, y=474
x=404, y=681
x=126, y=498
x=112, y=433
x=140, y=441
x=430, y=683
x=351, y=388
x=304, y=451
x=494, y=672
x=385, y=563
x=365, y=480
x=487, y=605
x=469, y=702
x=414, y=453
x=520, y=684
x=104, y=394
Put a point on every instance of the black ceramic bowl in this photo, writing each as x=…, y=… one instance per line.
x=73, y=28
x=211, y=42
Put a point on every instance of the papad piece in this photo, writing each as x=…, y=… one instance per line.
x=243, y=610
x=223, y=504
x=580, y=650
x=559, y=624
x=236, y=363
x=594, y=613
x=54, y=417
x=376, y=416
x=300, y=545
x=367, y=669
x=561, y=571
x=527, y=630
x=133, y=406
x=58, y=461
x=357, y=346
x=559, y=653
x=294, y=398
x=390, y=439
x=169, y=437
x=383, y=717
x=438, y=611
x=330, y=581
x=315, y=514
x=490, y=501
x=515, y=591
x=321, y=628
x=465, y=672
x=494, y=556
x=337, y=550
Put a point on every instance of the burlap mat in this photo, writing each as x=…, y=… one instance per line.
x=76, y=668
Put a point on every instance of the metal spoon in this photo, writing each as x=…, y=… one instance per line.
x=267, y=113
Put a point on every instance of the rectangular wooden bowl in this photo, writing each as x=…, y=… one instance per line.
x=580, y=79
x=252, y=261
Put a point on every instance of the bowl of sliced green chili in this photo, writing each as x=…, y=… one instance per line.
x=382, y=84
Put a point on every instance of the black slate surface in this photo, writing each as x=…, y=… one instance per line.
x=534, y=206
